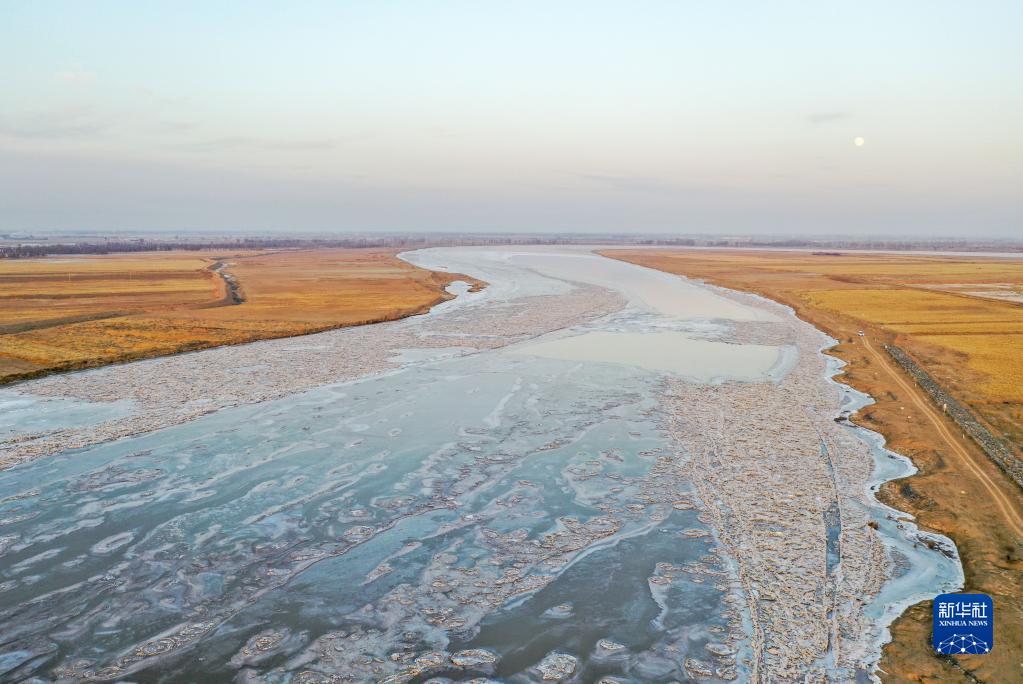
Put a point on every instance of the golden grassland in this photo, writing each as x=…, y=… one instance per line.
x=972, y=344
x=974, y=347
x=42, y=292
x=71, y=313
x=984, y=331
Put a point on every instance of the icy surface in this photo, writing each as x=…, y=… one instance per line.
x=430, y=499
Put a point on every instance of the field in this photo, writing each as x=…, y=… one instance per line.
x=940, y=310
x=972, y=344
x=70, y=313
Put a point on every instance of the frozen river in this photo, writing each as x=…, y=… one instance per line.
x=589, y=471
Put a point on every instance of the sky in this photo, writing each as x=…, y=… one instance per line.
x=636, y=116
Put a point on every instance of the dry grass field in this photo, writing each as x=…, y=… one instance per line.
x=972, y=344
x=71, y=313
x=939, y=310
x=39, y=293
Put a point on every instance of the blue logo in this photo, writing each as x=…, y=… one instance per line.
x=964, y=623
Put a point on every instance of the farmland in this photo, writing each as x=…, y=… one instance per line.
x=941, y=311
x=71, y=313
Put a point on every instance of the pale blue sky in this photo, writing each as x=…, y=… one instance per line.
x=639, y=116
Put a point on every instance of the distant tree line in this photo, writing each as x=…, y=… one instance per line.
x=94, y=246
x=36, y=248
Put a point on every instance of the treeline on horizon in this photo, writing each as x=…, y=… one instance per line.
x=36, y=249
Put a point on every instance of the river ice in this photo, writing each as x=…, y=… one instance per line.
x=438, y=498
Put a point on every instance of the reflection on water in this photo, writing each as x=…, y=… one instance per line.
x=506, y=506
x=677, y=352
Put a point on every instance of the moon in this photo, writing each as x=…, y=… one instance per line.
x=858, y=141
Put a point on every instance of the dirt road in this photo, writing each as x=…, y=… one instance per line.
x=1007, y=505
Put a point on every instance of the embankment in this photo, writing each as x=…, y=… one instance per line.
x=992, y=446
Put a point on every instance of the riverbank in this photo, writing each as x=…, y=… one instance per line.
x=170, y=390
x=816, y=554
x=74, y=313
x=958, y=491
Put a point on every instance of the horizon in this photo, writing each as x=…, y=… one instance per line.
x=313, y=235
x=593, y=118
